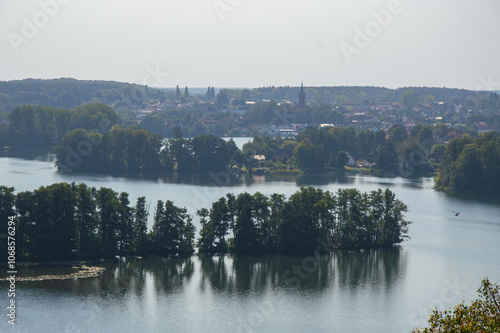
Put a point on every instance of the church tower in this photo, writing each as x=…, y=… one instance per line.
x=302, y=97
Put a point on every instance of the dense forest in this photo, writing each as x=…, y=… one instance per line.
x=69, y=221
x=32, y=126
x=471, y=165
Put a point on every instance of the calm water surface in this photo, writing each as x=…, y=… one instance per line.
x=371, y=291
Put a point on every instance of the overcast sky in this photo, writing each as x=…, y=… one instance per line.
x=254, y=43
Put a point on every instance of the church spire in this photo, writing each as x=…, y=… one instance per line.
x=302, y=96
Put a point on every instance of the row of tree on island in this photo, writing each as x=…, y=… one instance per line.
x=314, y=150
x=68, y=221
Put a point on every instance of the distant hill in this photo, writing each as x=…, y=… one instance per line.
x=68, y=93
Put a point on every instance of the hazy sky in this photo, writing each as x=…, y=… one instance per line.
x=254, y=43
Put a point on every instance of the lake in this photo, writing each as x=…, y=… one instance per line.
x=369, y=291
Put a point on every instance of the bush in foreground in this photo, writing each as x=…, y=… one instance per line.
x=483, y=315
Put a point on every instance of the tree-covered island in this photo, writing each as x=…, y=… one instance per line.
x=68, y=221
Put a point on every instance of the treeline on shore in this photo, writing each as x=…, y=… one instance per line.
x=471, y=165
x=68, y=221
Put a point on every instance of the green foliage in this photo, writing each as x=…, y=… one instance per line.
x=68, y=221
x=491, y=119
x=86, y=221
x=46, y=222
x=80, y=151
x=305, y=215
x=414, y=159
x=482, y=315
x=438, y=151
x=120, y=150
x=7, y=199
x=205, y=242
x=140, y=225
x=259, y=223
x=222, y=99
x=318, y=148
x=340, y=161
x=45, y=126
x=68, y=93
x=221, y=218
x=471, y=165
x=210, y=153
x=409, y=98
x=289, y=144
x=125, y=225
x=210, y=94
x=177, y=93
x=107, y=220
x=204, y=153
x=397, y=134
x=307, y=155
x=93, y=116
x=386, y=158
x=245, y=228
x=173, y=231
x=259, y=146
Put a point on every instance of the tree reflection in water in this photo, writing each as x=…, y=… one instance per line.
x=241, y=274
